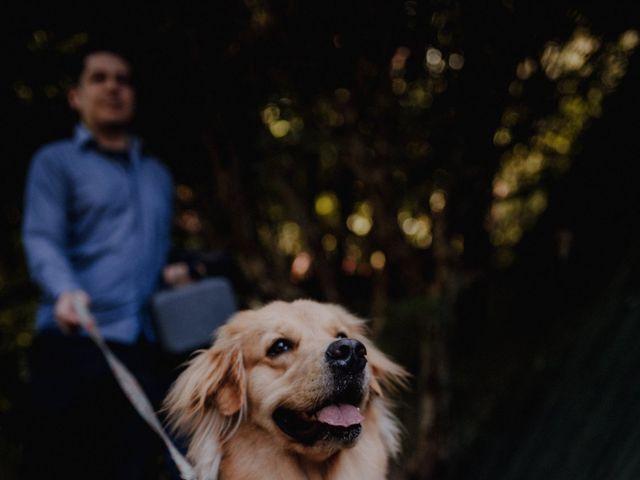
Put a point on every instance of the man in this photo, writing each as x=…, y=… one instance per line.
x=97, y=226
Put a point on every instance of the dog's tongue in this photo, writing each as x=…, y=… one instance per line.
x=340, y=415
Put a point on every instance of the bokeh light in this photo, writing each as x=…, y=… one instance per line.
x=378, y=260
x=301, y=265
x=584, y=71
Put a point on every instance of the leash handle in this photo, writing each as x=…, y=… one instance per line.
x=131, y=388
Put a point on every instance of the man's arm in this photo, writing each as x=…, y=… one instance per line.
x=44, y=232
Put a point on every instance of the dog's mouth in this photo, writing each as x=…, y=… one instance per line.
x=332, y=422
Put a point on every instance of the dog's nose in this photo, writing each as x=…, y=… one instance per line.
x=347, y=354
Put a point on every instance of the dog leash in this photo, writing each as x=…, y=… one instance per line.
x=131, y=388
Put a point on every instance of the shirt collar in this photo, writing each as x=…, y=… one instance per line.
x=83, y=138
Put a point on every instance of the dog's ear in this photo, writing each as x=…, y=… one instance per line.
x=224, y=381
x=213, y=381
x=208, y=400
x=386, y=374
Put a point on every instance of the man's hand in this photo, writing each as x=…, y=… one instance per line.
x=176, y=274
x=65, y=313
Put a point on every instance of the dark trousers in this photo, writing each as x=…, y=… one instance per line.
x=81, y=423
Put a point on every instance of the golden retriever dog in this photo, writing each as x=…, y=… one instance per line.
x=288, y=391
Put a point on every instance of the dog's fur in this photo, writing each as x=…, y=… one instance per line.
x=225, y=401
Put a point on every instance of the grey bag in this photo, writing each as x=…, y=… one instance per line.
x=186, y=317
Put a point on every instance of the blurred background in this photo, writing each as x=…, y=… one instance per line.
x=462, y=174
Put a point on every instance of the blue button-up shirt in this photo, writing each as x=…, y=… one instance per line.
x=99, y=222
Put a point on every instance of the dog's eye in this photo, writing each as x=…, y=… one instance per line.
x=341, y=335
x=279, y=346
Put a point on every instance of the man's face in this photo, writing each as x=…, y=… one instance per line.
x=104, y=97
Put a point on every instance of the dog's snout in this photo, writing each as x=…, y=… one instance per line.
x=347, y=354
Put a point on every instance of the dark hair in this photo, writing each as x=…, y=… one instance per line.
x=77, y=64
